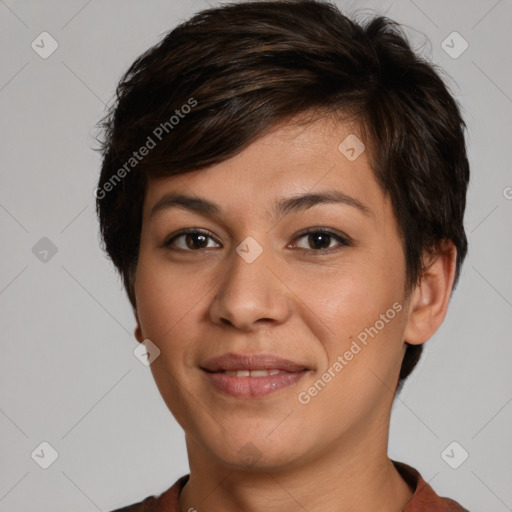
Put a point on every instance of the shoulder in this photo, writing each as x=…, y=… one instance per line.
x=425, y=498
x=146, y=505
x=167, y=501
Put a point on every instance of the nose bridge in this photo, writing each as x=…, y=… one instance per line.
x=250, y=291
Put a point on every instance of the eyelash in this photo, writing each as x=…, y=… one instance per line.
x=344, y=241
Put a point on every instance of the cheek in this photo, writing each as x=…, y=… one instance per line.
x=355, y=298
x=164, y=296
x=165, y=303
x=364, y=312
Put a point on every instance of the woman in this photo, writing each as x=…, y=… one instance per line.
x=283, y=193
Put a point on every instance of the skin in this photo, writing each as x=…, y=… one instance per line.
x=307, y=306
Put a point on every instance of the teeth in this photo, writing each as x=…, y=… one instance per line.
x=251, y=373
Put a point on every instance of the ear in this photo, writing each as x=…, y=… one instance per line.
x=429, y=300
x=138, y=330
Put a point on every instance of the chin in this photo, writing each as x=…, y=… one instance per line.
x=257, y=450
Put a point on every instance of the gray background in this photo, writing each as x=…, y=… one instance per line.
x=67, y=372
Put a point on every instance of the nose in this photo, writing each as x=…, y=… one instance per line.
x=250, y=293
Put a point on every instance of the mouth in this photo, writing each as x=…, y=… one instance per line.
x=252, y=376
x=253, y=373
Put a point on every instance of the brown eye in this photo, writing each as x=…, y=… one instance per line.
x=190, y=240
x=320, y=240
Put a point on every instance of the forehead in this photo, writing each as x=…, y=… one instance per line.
x=291, y=159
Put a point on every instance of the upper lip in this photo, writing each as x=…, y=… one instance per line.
x=231, y=361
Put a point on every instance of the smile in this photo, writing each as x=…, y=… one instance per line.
x=252, y=383
x=252, y=373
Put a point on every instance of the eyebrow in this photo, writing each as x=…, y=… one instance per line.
x=283, y=207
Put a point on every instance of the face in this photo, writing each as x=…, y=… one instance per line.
x=318, y=283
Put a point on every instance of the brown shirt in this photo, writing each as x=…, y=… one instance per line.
x=423, y=500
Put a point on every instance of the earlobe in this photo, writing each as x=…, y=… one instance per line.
x=138, y=330
x=430, y=299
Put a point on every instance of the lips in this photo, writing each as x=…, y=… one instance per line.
x=252, y=376
x=254, y=362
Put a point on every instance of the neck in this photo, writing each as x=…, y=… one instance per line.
x=356, y=476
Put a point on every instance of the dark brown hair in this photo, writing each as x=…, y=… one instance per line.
x=230, y=74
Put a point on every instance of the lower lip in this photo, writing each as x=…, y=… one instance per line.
x=253, y=387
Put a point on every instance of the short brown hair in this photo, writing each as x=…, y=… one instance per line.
x=245, y=67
